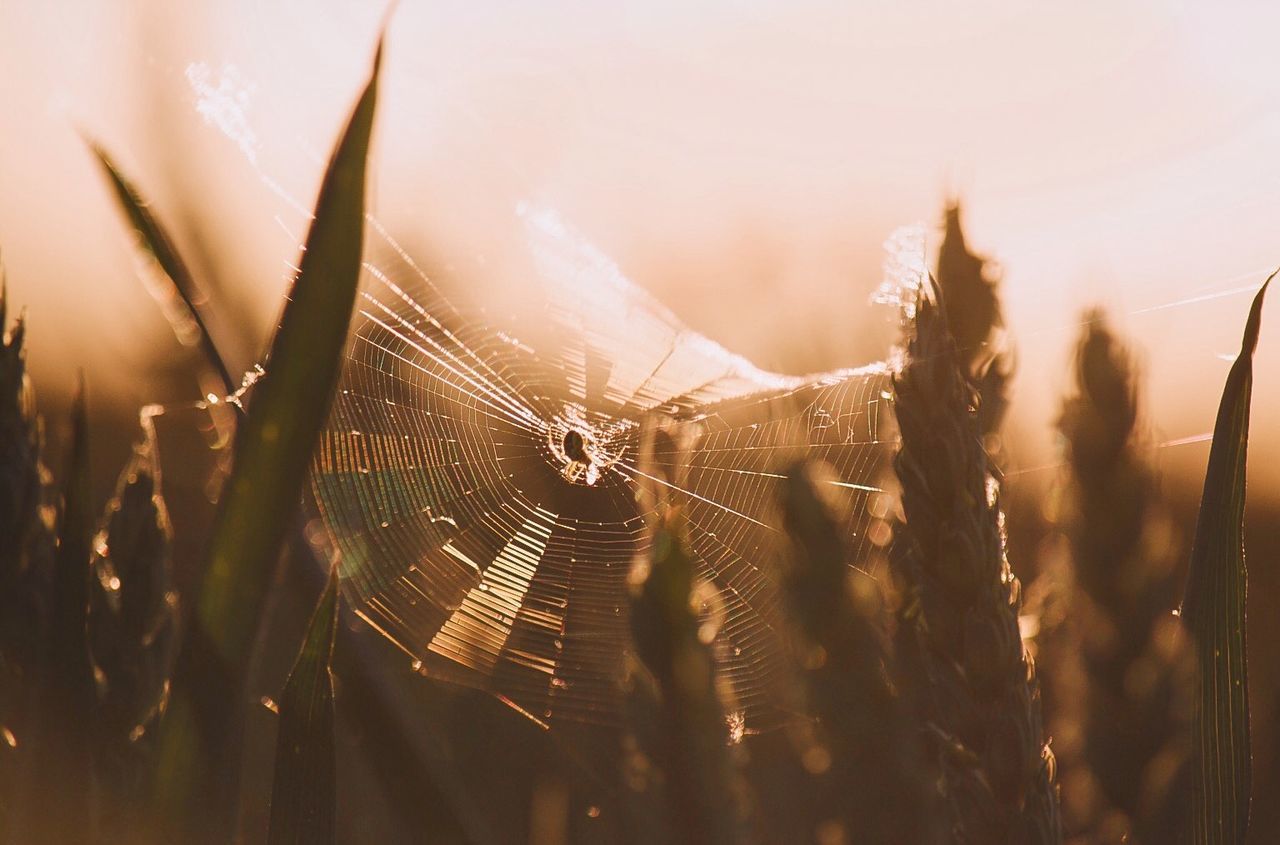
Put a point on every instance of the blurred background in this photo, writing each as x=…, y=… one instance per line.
x=743, y=162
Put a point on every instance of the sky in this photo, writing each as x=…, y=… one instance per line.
x=744, y=162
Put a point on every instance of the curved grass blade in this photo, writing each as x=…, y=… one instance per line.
x=304, y=790
x=157, y=243
x=1213, y=610
x=275, y=441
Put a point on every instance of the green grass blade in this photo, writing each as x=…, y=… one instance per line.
x=275, y=441
x=157, y=243
x=304, y=790
x=1214, y=612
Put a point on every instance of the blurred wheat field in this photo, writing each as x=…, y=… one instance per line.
x=723, y=159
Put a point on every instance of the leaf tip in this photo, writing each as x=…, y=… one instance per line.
x=1254, y=325
x=99, y=153
x=385, y=25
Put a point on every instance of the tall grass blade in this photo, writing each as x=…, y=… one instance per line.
x=275, y=441
x=272, y=451
x=304, y=791
x=1213, y=609
x=155, y=241
x=210, y=668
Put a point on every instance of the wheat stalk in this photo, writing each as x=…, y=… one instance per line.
x=675, y=695
x=1136, y=663
x=133, y=636
x=866, y=754
x=970, y=295
x=964, y=666
x=26, y=550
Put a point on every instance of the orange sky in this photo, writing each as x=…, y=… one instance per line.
x=743, y=161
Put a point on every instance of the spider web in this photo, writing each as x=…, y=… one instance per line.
x=480, y=487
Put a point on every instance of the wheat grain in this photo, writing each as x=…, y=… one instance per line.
x=964, y=665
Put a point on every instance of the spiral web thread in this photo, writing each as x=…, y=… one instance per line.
x=481, y=492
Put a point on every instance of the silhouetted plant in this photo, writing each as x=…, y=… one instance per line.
x=1213, y=610
x=58, y=806
x=966, y=671
x=304, y=789
x=969, y=294
x=868, y=748
x=926, y=723
x=26, y=557
x=1132, y=694
x=687, y=738
x=133, y=638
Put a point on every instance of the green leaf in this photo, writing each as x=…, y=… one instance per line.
x=159, y=245
x=304, y=791
x=289, y=404
x=1213, y=610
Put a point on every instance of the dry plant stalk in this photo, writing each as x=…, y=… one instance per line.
x=969, y=287
x=58, y=783
x=133, y=638
x=866, y=753
x=682, y=734
x=26, y=552
x=963, y=664
x=1136, y=660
